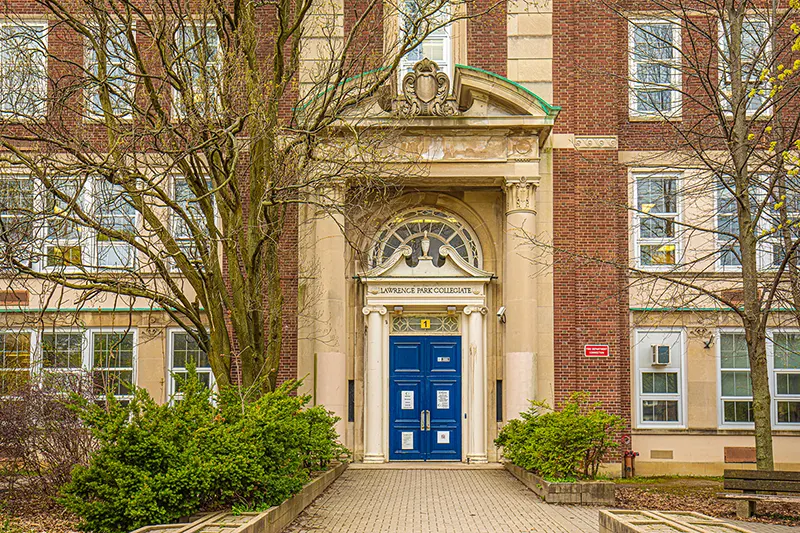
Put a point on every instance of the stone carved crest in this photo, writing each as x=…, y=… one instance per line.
x=426, y=92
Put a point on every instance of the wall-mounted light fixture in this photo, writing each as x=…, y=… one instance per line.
x=398, y=309
x=501, y=314
x=451, y=310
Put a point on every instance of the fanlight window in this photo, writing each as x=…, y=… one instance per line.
x=441, y=228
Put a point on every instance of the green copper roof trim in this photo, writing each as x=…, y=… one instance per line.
x=329, y=89
x=548, y=108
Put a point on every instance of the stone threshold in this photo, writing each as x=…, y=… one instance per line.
x=273, y=520
x=425, y=465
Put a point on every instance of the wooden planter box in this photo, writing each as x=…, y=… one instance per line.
x=577, y=493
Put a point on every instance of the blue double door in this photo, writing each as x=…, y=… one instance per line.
x=425, y=398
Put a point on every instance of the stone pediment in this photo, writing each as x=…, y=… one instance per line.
x=397, y=267
x=425, y=92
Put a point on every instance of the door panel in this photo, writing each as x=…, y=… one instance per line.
x=425, y=398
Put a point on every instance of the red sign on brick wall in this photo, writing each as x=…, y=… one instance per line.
x=596, y=350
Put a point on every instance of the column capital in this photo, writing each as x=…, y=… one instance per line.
x=367, y=309
x=520, y=194
x=468, y=310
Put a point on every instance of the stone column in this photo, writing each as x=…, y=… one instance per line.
x=519, y=296
x=330, y=332
x=476, y=452
x=373, y=399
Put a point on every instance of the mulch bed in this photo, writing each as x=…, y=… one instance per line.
x=699, y=495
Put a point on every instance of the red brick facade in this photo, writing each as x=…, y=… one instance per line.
x=589, y=219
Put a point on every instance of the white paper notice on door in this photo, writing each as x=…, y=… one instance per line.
x=407, y=400
x=407, y=440
x=443, y=399
x=442, y=437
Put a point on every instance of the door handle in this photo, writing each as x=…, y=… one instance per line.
x=422, y=420
x=428, y=425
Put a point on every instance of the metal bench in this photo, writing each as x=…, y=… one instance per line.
x=760, y=486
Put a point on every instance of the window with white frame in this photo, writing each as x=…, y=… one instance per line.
x=418, y=18
x=655, y=74
x=23, y=69
x=65, y=237
x=198, y=65
x=16, y=361
x=755, y=57
x=116, y=214
x=736, y=389
x=16, y=217
x=118, y=77
x=63, y=363
x=727, y=225
x=659, y=377
x=189, y=210
x=786, y=377
x=185, y=351
x=656, y=220
x=112, y=363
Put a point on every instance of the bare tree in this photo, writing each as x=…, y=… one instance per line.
x=715, y=211
x=166, y=145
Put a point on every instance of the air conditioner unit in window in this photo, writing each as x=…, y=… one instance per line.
x=661, y=354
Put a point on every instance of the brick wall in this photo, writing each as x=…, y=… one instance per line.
x=487, y=41
x=589, y=219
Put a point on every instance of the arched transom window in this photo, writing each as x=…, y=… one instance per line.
x=441, y=228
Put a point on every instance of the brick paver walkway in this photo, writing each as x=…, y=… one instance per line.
x=444, y=501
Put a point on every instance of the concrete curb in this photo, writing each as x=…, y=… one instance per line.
x=577, y=493
x=273, y=520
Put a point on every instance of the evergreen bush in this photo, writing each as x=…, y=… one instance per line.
x=561, y=445
x=157, y=463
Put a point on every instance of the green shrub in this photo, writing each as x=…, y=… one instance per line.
x=157, y=463
x=561, y=445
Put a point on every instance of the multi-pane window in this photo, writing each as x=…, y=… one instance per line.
x=736, y=389
x=786, y=372
x=15, y=361
x=659, y=361
x=185, y=351
x=115, y=213
x=116, y=75
x=655, y=75
x=112, y=357
x=23, y=69
x=189, y=210
x=727, y=229
x=198, y=64
x=755, y=58
x=16, y=217
x=418, y=18
x=656, y=220
x=64, y=236
x=62, y=358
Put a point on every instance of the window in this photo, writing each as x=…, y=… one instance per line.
x=16, y=217
x=15, y=361
x=656, y=218
x=786, y=372
x=64, y=236
x=756, y=52
x=655, y=68
x=185, y=350
x=23, y=69
x=189, y=210
x=736, y=390
x=410, y=228
x=659, y=383
x=118, y=77
x=418, y=18
x=198, y=65
x=728, y=250
x=62, y=358
x=112, y=367
x=114, y=212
